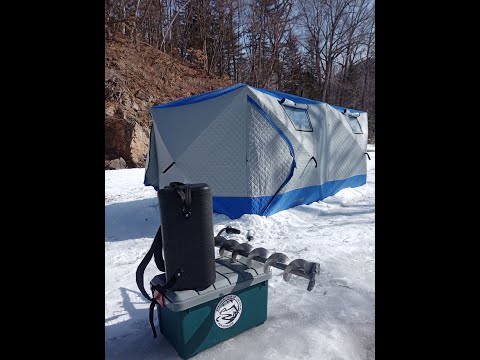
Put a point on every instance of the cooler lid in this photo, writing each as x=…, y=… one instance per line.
x=229, y=277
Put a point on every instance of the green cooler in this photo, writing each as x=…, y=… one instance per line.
x=193, y=321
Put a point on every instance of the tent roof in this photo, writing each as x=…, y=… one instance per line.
x=215, y=93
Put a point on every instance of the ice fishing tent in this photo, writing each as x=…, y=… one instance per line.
x=261, y=151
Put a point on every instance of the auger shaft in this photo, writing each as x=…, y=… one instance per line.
x=275, y=264
x=298, y=267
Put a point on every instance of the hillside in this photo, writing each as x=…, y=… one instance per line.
x=136, y=79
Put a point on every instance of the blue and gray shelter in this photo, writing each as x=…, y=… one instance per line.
x=260, y=151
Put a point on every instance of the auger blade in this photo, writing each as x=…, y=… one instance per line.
x=219, y=240
x=256, y=252
x=274, y=258
x=227, y=245
x=298, y=264
x=244, y=247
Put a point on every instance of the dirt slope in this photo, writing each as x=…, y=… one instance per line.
x=136, y=79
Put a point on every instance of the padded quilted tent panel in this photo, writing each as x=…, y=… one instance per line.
x=268, y=166
x=217, y=155
x=347, y=158
x=207, y=142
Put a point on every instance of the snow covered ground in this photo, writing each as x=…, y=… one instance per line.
x=334, y=321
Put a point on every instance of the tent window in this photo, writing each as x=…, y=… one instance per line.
x=355, y=125
x=299, y=118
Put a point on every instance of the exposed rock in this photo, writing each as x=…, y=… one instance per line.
x=125, y=100
x=118, y=113
x=142, y=95
x=118, y=136
x=126, y=137
x=116, y=164
x=139, y=144
x=110, y=110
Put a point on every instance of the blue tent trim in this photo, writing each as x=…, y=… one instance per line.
x=301, y=100
x=297, y=99
x=235, y=207
x=200, y=97
x=215, y=93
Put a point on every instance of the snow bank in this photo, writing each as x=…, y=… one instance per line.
x=334, y=321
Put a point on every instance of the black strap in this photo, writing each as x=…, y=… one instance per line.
x=161, y=288
x=150, y=317
x=157, y=249
x=178, y=274
x=168, y=168
x=185, y=193
x=313, y=158
x=159, y=261
x=368, y=155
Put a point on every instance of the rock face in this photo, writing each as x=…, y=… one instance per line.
x=142, y=95
x=126, y=121
x=135, y=80
x=115, y=164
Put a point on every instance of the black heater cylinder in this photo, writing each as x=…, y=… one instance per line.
x=188, y=241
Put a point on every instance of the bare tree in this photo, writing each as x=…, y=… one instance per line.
x=325, y=47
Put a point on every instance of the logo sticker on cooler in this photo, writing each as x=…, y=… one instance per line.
x=228, y=311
